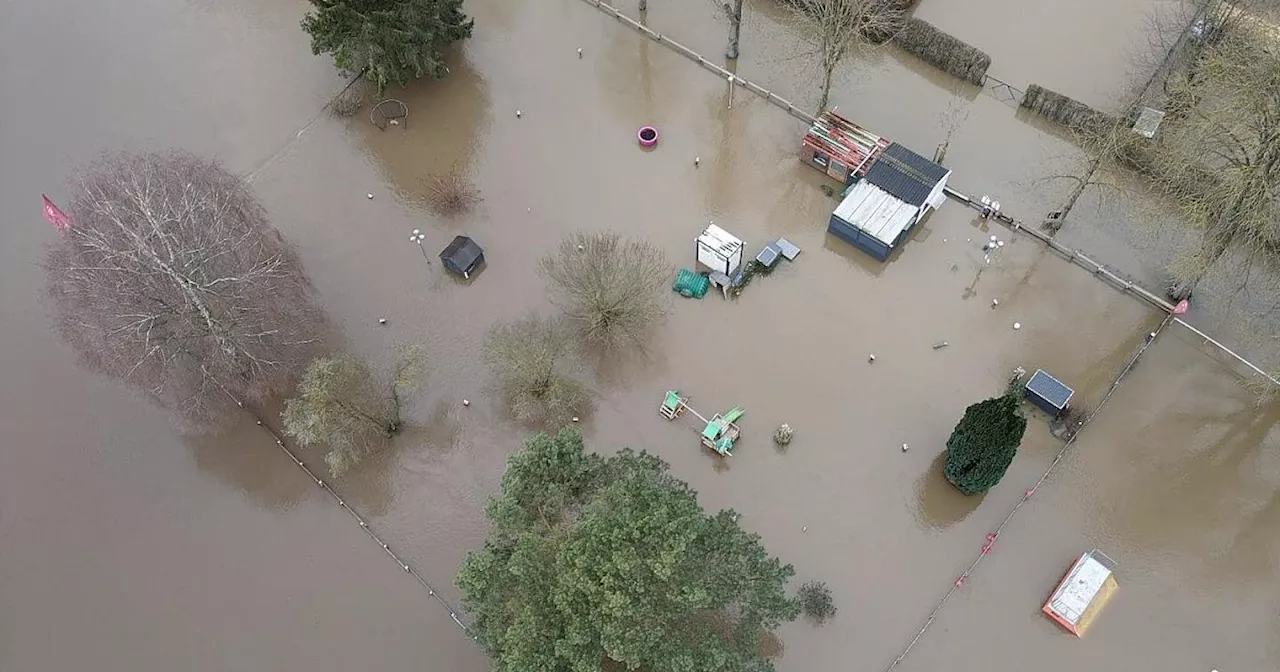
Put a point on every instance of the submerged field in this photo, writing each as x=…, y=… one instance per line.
x=844, y=502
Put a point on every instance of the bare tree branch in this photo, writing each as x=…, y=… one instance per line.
x=612, y=290
x=833, y=30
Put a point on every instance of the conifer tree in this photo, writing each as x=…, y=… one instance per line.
x=984, y=442
x=391, y=41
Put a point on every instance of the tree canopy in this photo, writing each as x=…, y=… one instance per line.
x=392, y=41
x=594, y=558
x=340, y=405
x=984, y=443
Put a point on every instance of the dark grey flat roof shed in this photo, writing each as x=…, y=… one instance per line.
x=462, y=256
x=1048, y=393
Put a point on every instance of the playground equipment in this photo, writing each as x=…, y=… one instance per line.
x=718, y=434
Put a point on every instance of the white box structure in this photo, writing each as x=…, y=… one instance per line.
x=719, y=250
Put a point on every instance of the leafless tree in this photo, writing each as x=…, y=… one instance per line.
x=1219, y=155
x=531, y=359
x=952, y=120
x=171, y=278
x=611, y=289
x=340, y=405
x=835, y=29
x=1113, y=143
x=451, y=192
x=733, y=14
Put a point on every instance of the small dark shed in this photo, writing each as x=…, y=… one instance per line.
x=1048, y=393
x=462, y=256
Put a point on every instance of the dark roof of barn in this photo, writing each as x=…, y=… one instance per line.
x=907, y=176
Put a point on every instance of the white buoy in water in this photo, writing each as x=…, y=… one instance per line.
x=575, y=418
x=806, y=529
x=528, y=209
x=995, y=302
x=1017, y=325
x=579, y=52
x=582, y=247
x=517, y=114
x=871, y=358
x=466, y=402
x=416, y=232
x=370, y=196
x=993, y=239
x=905, y=447
x=382, y=320
x=696, y=161
x=999, y=243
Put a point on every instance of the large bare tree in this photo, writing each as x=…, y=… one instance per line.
x=171, y=278
x=612, y=289
x=833, y=30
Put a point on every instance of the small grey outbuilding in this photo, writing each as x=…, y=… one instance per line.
x=1048, y=393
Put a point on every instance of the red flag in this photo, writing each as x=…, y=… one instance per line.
x=1182, y=307
x=55, y=216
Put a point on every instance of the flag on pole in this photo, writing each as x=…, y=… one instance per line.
x=55, y=216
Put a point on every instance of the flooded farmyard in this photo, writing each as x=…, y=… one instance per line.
x=127, y=546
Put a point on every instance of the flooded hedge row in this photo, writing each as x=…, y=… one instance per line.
x=1065, y=110
x=943, y=50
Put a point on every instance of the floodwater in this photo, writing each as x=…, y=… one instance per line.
x=149, y=551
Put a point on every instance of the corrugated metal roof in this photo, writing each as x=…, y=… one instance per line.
x=905, y=174
x=876, y=212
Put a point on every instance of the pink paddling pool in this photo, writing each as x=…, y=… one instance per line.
x=647, y=135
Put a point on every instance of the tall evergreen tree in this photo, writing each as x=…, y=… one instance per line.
x=591, y=558
x=984, y=442
x=392, y=41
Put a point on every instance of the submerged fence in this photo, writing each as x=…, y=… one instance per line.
x=1029, y=492
x=730, y=77
x=1075, y=256
x=997, y=89
x=355, y=515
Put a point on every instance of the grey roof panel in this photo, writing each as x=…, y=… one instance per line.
x=906, y=175
x=930, y=171
x=1050, y=389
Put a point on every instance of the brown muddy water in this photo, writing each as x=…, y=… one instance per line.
x=128, y=547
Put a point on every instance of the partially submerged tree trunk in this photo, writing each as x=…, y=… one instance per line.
x=833, y=29
x=733, y=11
